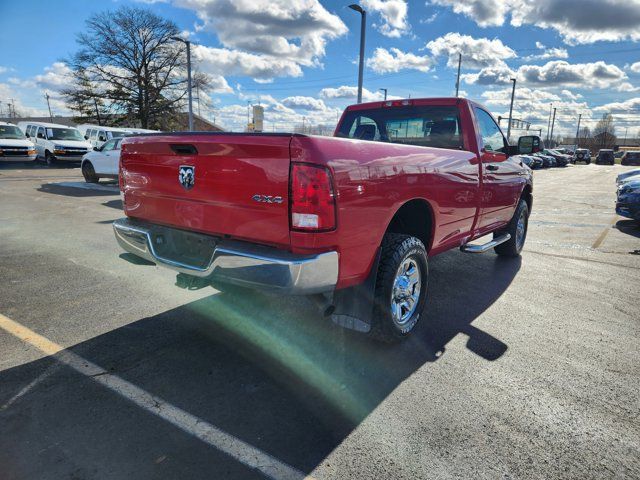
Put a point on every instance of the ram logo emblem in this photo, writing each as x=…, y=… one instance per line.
x=266, y=199
x=187, y=176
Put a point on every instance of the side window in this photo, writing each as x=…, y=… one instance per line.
x=41, y=131
x=102, y=136
x=110, y=145
x=364, y=128
x=118, y=144
x=492, y=137
x=92, y=136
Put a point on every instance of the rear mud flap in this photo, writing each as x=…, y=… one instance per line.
x=354, y=305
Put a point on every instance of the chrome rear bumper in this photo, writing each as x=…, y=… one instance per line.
x=239, y=263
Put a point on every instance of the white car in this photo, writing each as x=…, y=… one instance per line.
x=102, y=162
x=14, y=146
x=55, y=142
x=96, y=135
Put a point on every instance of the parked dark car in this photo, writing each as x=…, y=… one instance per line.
x=626, y=176
x=630, y=158
x=547, y=161
x=605, y=157
x=531, y=161
x=628, y=202
x=561, y=159
x=582, y=155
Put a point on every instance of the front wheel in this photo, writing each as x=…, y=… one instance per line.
x=89, y=173
x=49, y=159
x=401, y=287
x=517, y=228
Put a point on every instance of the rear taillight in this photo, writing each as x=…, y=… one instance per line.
x=313, y=206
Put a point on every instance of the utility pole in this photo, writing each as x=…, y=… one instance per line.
x=385, y=93
x=95, y=103
x=578, y=131
x=46, y=95
x=363, y=24
x=189, y=87
x=513, y=93
x=12, y=110
x=549, y=122
x=625, y=135
x=458, y=78
x=553, y=123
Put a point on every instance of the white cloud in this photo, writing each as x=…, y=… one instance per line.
x=587, y=75
x=393, y=14
x=3, y=69
x=351, y=93
x=298, y=102
x=554, y=74
x=635, y=67
x=294, y=30
x=224, y=61
x=394, y=60
x=577, y=21
x=627, y=105
x=570, y=95
x=476, y=52
x=547, y=53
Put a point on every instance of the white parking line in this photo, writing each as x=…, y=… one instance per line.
x=232, y=446
x=48, y=371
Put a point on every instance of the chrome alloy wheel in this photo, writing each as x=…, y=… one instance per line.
x=521, y=228
x=406, y=291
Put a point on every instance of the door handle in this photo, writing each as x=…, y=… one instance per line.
x=492, y=168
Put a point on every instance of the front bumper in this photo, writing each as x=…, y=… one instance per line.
x=18, y=158
x=230, y=261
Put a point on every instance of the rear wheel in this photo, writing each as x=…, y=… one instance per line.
x=517, y=228
x=89, y=173
x=401, y=287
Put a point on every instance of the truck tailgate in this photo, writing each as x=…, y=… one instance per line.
x=234, y=177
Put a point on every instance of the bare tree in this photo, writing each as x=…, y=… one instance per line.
x=604, y=133
x=128, y=63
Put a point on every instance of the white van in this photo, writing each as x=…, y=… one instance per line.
x=97, y=135
x=14, y=146
x=55, y=142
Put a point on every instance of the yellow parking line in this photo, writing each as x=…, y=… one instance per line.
x=604, y=233
x=213, y=436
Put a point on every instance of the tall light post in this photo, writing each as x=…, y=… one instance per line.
x=578, y=131
x=385, y=92
x=553, y=123
x=513, y=93
x=188, y=44
x=458, y=77
x=549, y=122
x=363, y=24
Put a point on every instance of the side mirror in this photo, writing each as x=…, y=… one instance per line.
x=86, y=137
x=40, y=135
x=102, y=139
x=528, y=144
x=27, y=135
x=96, y=149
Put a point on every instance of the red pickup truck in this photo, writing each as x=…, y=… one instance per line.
x=350, y=220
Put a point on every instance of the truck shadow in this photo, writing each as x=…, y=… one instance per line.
x=268, y=370
x=80, y=189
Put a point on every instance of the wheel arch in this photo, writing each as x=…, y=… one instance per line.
x=527, y=196
x=404, y=220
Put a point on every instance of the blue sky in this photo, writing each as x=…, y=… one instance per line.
x=298, y=57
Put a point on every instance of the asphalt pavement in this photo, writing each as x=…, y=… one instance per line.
x=525, y=368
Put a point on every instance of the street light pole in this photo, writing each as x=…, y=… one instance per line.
x=513, y=93
x=363, y=23
x=578, y=130
x=549, y=122
x=385, y=93
x=458, y=78
x=46, y=95
x=625, y=136
x=553, y=123
x=188, y=44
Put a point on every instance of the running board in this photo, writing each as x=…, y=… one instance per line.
x=468, y=248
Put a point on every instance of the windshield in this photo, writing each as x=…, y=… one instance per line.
x=118, y=134
x=11, y=132
x=64, y=134
x=428, y=126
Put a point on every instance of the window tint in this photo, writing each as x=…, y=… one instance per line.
x=492, y=137
x=110, y=145
x=427, y=126
x=41, y=131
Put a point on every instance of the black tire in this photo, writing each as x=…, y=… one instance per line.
x=89, y=173
x=49, y=159
x=397, y=249
x=514, y=245
x=588, y=162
